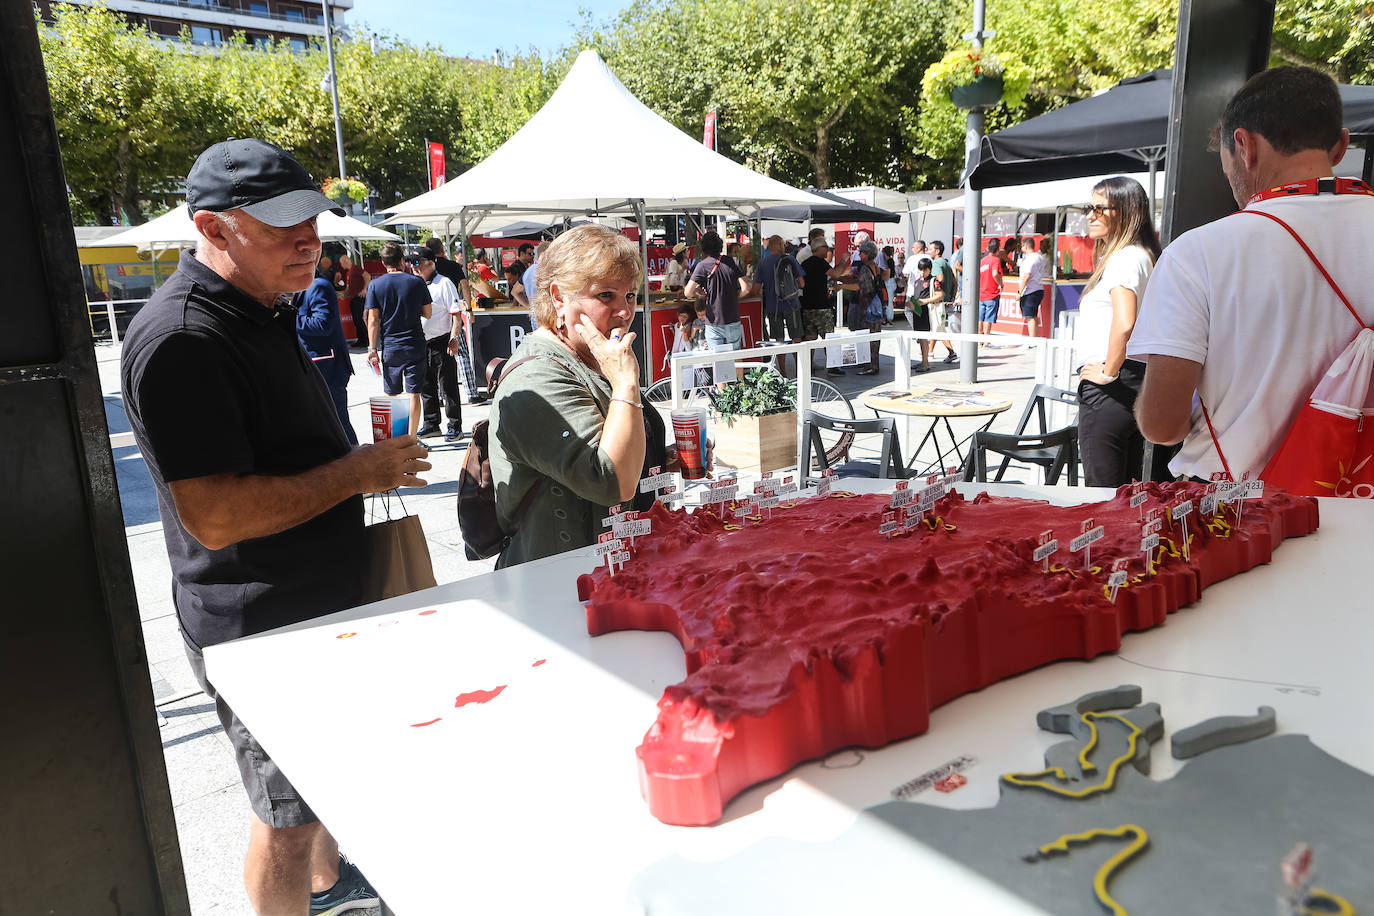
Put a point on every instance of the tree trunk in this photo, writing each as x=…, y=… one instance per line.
x=820, y=160
x=126, y=195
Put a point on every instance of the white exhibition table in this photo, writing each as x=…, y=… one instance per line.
x=529, y=803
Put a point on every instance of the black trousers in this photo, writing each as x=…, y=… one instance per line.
x=355, y=308
x=441, y=383
x=1109, y=441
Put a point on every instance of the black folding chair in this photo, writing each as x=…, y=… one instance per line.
x=1036, y=405
x=889, y=462
x=1053, y=451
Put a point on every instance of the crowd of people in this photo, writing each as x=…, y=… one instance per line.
x=1213, y=344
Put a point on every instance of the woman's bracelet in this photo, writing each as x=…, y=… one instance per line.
x=628, y=401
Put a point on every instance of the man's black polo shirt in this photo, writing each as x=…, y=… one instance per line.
x=216, y=383
x=451, y=269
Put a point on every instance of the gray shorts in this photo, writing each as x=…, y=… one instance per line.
x=952, y=319
x=273, y=799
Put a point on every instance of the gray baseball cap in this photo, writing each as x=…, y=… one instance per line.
x=262, y=180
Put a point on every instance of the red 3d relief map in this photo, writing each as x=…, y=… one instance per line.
x=842, y=620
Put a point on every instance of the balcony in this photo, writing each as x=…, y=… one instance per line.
x=310, y=23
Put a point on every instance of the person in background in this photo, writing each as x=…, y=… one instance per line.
x=717, y=280
x=259, y=491
x=989, y=287
x=530, y=278
x=525, y=256
x=889, y=283
x=515, y=272
x=355, y=281
x=956, y=261
x=921, y=296
x=865, y=305
x=780, y=317
x=946, y=281
x=481, y=267
x=675, y=274
x=1011, y=253
x=1236, y=314
x=813, y=238
x=321, y=334
x=448, y=268
x=482, y=281
x=569, y=433
x=396, y=302
x=441, y=371
x=817, y=309
x=1125, y=250
x=1033, y=272
x=684, y=332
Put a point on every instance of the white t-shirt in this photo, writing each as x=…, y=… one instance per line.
x=446, y=302
x=1129, y=269
x=1032, y=272
x=1239, y=296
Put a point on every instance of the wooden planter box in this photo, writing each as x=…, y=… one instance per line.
x=757, y=444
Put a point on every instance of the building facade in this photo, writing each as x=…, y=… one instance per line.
x=211, y=22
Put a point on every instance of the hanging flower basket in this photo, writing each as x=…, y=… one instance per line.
x=984, y=92
x=977, y=79
x=344, y=190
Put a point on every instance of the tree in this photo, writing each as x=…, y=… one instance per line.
x=118, y=104
x=792, y=82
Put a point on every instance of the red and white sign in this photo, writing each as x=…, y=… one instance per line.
x=708, y=137
x=436, y=163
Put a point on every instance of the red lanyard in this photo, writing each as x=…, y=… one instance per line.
x=1314, y=186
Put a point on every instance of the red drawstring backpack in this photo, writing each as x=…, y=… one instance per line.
x=1329, y=449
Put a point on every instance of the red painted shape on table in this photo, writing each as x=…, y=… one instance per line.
x=423, y=724
x=428, y=612
x=538, y=663
x=950, y=783
x=478, y=696
x=813, y=632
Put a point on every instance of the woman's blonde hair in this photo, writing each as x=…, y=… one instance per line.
x=1133, y=224
x=578, y=257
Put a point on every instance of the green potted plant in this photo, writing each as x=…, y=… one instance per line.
x=756, y=422
x=977, y=79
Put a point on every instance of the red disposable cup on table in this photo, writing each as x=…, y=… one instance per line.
x=689, y=431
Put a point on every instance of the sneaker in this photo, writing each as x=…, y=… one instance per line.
x=835, y=371
x=453, y=433
x=351, y=892
x=951, y=357
x=429, y=431
x=868, y=371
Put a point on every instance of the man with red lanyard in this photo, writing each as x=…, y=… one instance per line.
x=1238, y=324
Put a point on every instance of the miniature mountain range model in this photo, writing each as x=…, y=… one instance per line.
x=813, y=631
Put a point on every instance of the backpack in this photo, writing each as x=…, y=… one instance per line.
x=785, y=284
x=1327, y=450
x=483, y=536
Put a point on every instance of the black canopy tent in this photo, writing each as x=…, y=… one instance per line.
x=843, y=211
x=1117, y=131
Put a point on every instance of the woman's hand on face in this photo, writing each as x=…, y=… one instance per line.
x=614, y=356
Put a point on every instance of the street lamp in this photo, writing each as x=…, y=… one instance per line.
x=333, y=81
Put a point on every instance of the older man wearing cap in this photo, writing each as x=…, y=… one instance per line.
x=259, y=490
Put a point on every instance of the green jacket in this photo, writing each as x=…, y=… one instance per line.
x=546, y=422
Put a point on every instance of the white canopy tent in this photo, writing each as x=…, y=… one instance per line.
x=176, y=228
x=595, y=150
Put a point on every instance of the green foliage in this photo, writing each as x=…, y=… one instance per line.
x=1332, y=35
x=761, y=391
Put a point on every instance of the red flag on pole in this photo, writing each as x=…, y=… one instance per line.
x=708, y=138
x=436, y=164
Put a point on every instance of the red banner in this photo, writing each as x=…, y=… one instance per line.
x=436, y=164
x=708, y=139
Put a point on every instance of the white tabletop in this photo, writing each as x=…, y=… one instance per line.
x=530, y=802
